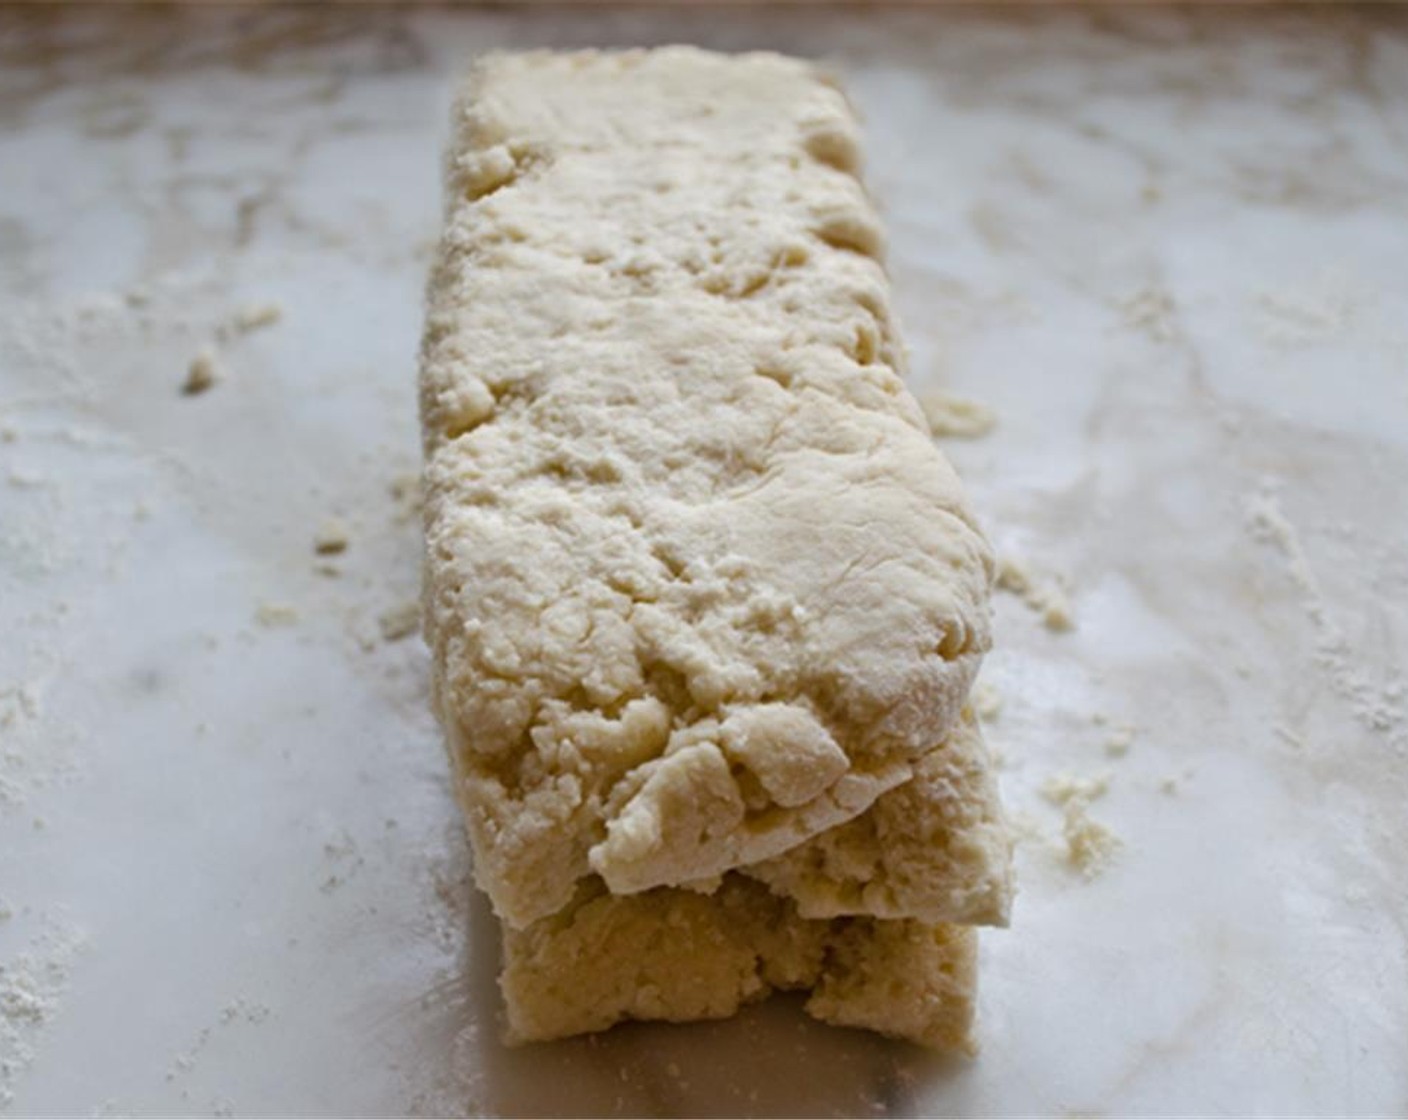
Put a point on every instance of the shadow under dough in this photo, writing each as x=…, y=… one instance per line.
x=769, y=1060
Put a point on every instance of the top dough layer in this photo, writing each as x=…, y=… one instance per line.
x=699, y=586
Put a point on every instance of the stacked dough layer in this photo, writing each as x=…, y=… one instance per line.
x=705, y=602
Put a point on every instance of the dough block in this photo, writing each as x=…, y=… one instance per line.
x=699, y=586
x=704, y=600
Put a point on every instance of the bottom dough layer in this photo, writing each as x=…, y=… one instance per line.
x=677, y=955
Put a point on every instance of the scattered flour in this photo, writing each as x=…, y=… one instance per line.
x=956, y=416
x=36, y=747
x=20, y=702
x=238, y=1010
x=1379, y=708
x=245, y=1010
x=32, y=986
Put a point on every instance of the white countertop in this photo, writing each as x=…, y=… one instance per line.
x=1169, y=249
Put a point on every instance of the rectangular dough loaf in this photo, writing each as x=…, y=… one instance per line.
x=699, y=587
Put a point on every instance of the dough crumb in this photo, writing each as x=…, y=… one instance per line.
x=273, y=615
x=987, y=701
x=331, y=538
x=203, y=372
x=256, y=315
x=400, y=621
x=1056, y=611
x=1012, y=575
x=1047, y=598
x=1063, y=789
x=1090, y=846
x=956, y=417
x=1119, y=741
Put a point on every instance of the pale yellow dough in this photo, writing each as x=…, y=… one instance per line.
x=680, y=956
x=699, y=586
x=935, y=848
x=704, y=600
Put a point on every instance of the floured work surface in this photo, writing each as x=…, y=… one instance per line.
x=700, y=591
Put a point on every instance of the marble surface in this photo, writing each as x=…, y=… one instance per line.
x=1169, y=248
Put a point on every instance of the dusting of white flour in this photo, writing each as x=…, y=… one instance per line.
x=32, y=986
x=1377, y=707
